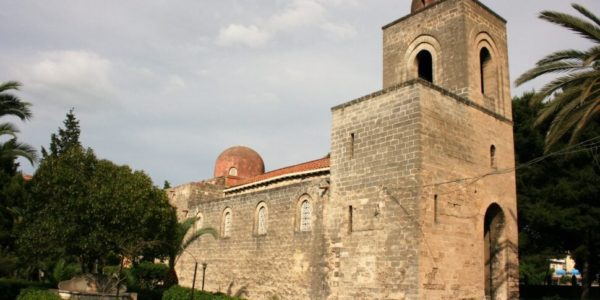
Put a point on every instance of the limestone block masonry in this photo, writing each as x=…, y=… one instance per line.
x=417, y=199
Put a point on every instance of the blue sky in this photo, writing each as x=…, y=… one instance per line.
x=165, y=86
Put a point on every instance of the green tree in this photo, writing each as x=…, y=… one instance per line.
x=557, y=196
x=66, y=138
x=573, y=98
x=90, y=209
x=181, y=240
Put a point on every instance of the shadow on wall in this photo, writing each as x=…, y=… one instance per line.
x=241, y=292
x=500, y=280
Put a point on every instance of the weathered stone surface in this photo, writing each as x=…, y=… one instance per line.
x=415, y=169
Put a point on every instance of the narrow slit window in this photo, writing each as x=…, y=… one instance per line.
x=493, y=156
x=350, y=219
x=425, y=65
x=435, y=209
x=352, y=140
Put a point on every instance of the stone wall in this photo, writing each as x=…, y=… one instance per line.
x=461, y=181
x=373, y=216
x=285, y=263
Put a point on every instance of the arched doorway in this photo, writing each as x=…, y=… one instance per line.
x=495, y=265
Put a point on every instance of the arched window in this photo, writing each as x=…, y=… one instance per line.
x=305, y=215
x=233, y=171
x=261, y=219
x=227, y=223
x=424, y=62
x=486, y=71
x=493, y=156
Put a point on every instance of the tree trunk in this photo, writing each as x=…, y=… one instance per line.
x=586, y=282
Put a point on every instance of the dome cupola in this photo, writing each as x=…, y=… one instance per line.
x=420, y=4
x=239, y=161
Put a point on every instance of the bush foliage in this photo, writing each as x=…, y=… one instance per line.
x=35, y=294
x=182, y=293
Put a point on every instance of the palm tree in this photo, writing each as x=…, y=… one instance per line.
x=182, y=240
x=571, y=101
x=11, y=105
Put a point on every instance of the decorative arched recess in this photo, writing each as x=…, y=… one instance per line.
x=417, y=46
x=489, y=75
x=495, y=253
x=226, y=222
x=304, y=213
x=261, y=219
x=199, y=223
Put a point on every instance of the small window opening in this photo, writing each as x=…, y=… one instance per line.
x=262, y=220
x=425, y=65
x=350, y=219
x=435, y=209
x=493, y=156
x=227, y=224
x=233, y=171
x=352, y=140
x=305, y=216
x=485, y=70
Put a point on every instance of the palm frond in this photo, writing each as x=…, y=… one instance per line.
x=551, y=108
x=10, y=85
x=584, y=11
x=560, y=126
x=560, y=84
x=576, y=24
x=13, y=148
x=590, y=113
x=543, y=69
x=196, y=235
x=563, y=55
x=8, y=129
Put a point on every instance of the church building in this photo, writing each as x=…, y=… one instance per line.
x=417, y=199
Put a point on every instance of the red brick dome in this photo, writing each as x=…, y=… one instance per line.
x=419, y=4
x=239, y=161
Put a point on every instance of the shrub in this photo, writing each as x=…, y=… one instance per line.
x=35, y=294
x=182, y=293
x=10, y=288
x=148, y=275
x=64, y=271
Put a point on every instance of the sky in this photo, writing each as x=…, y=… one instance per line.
x=165, y=86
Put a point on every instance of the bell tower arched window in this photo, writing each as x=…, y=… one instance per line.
x=424, y=62
x=487, y=73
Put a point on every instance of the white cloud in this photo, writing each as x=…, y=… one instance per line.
x=72, y=76
x=174, y=83
x=299, y=14
x=340, y=31
x=234, y=35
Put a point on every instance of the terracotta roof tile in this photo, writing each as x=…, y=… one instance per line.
x=303, y=167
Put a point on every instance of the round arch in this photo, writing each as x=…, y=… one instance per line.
x=422, y=43
x=261, y=218
x=226, y=222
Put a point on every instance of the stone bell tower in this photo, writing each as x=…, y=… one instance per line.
x=423, y=196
